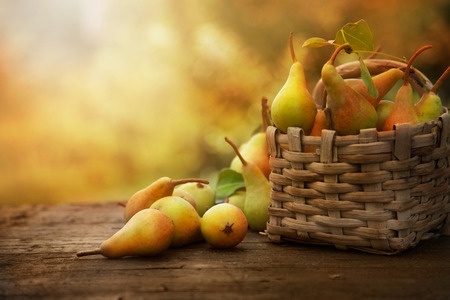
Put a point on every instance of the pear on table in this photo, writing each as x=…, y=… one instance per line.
x=294, y=106
x=160, y=188
x=148, y=233
x=257, y=193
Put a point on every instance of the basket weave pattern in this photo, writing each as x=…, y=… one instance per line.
x=378, y=192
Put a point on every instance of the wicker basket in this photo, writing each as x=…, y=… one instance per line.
x=378, y=192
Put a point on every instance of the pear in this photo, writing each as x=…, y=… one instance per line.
x=149, y=232
x=254, y=150
x=257, y=195
x=383, y=83
x=185, y=195
x=161, y=187
x=184, y=217
x=237, y=199
x=294, y=106
x=429, y=107
x=403, y=110
x=320, y=122
x=383, y=108
x=203, y=195
x=350, y=111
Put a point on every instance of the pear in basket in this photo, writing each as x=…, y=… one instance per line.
x=429, y=107
x=403, y=110
x=383, y=83
x=349, y=110
x=294, y=106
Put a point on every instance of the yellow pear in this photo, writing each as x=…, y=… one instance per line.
x=254, y=150
x=257, y=195
x=294, y=106
x=185, y=219
x=383, y=108
x=149, y=232
x=429, y=107
x=203, y=195
x=161, y=187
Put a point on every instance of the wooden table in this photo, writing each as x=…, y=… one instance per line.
x=38, y=246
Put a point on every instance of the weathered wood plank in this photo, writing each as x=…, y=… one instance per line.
x=38, y=246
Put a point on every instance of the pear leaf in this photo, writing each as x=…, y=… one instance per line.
x=358, y=35
x=316, y=42
x=228, y=182
x=367, y=79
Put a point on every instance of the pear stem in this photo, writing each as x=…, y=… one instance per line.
x=410, y=61
x=265, y=114
x=236, y=150
x=439, y=82
x=176, y=182
x=291, y=47
x=336, y=52
x=89, y=252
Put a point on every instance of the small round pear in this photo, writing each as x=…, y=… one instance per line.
x=224, y=226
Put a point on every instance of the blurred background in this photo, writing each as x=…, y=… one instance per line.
x=98, y=98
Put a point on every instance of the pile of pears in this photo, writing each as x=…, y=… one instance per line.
x=348, y=106
x=166, y=213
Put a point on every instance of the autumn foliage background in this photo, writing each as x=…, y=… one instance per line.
x=100, y=98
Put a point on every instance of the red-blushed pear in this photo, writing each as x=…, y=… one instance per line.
x=161, y=187
x=350, y=111
x=185, y=219
x=257, y=196
x=429, y=107
x=203, y=195
x=403, y=110
x=383, y=83
x=224, y=226
x=149, y=232
x=294, y=106
x=321, y=122
x=383, y=108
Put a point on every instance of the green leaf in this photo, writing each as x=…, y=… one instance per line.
x=367, y=79
x=358, y=35
x=316, y=42
x=228, y=182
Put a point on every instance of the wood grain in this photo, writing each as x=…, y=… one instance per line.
x=38, y=246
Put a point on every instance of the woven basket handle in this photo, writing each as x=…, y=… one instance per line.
x=376, y=66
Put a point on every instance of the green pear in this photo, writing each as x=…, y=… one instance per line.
x=429, y=107
x=257, y=195
x=294, y=106
x=161, y=187
x=237, y=199
x=203, y=195
x=149, y=232
x=383, y=108
x=185, y=219
x=403, y=109
x=349, y=110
